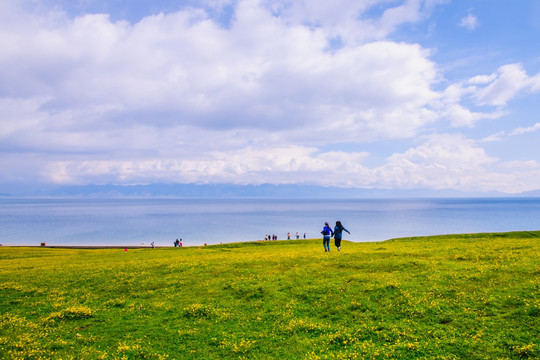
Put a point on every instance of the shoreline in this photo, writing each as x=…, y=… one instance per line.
x=92, y=246
x=89, y=246
x=146, y=246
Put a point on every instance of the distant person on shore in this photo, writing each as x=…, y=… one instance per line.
x=288, y=236
x=338, y=232
x=153, y=245
x=327, y=234
x=180, y=243
x=304, y=236
x=297, y=236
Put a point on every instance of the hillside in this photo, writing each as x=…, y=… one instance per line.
x=463, y=296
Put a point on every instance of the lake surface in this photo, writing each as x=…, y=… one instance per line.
x=199, y=221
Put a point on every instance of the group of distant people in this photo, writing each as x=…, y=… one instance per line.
x=337, y=233
x=274, y=236
x=327, y=233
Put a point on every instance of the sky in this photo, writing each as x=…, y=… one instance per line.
x=386, y=94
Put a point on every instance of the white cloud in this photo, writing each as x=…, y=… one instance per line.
x=470, y=22
x=501, y=135
x=494, y=137
x=535, y=83
x=462, y=116
x=261, y=74
x=179, y=97
x=482, y=79
x=509, y=81
x=445, y=161
x=521, y=130
x=458, y=114
x=345, y=19
x=526, y=166
x=523, y=175
x=241, y=166
x=494, y=90
x=452, y=161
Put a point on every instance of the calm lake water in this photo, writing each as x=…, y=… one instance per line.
x=198, y=221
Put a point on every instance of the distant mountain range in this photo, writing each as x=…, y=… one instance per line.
x=533, y=193
x=297, y=191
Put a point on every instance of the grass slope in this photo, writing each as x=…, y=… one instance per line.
x=445, y=297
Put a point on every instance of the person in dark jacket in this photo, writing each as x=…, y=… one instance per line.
x=327, y=234
x=338, y=231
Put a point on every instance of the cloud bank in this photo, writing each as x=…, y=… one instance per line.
x=275, y=94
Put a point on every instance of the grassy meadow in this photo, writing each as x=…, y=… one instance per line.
x=445, y=297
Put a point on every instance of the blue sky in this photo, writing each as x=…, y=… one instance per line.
x=393, y=94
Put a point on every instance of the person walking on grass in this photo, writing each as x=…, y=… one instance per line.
x=338, y=231
x=327, y=234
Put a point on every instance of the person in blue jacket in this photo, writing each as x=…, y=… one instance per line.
x=338, y=231
x=327, y=234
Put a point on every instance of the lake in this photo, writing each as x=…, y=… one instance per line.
x=199, y=221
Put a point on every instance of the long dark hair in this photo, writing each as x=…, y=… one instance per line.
x=339, y=226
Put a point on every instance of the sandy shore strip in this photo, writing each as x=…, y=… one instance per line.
x=89, y=246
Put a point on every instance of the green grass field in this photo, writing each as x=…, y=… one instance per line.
x=445, y=297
